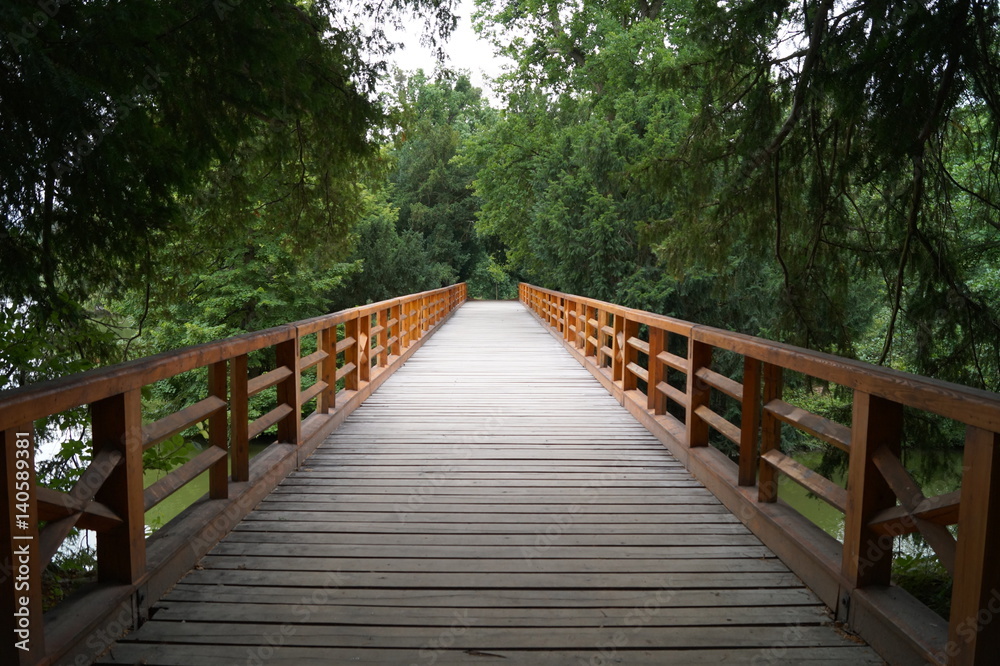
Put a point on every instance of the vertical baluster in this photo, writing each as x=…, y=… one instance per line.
x=617, y=344
x=749, y=422
x=876, y=422
x=630, y=329
x=698, y=392
x=655, y=400
x=975, y=597
x=327, y=371
x=240, y=417
x=567, y=306
x=288, y=355
x=19, y=551
x=395, y=312
x=117, y=425
x=352, y=355
x=365, y=348
x=383, y=337
x=589, y=348
x=770, y=437
x=218, y=432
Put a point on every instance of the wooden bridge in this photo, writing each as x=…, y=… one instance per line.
x=492, y=502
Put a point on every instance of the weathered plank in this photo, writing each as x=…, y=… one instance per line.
x=491, y=501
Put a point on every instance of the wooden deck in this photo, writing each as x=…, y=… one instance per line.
x=490, y=503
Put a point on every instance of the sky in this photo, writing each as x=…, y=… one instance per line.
x=464, y=49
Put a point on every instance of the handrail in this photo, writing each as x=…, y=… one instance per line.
x=133, y=570
x=881, y=500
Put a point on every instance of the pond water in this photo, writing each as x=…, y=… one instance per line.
x=163, y=512
x=937, y=474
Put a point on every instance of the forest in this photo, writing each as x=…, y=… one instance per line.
x=819, y=173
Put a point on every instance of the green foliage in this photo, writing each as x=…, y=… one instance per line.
x=921, y=574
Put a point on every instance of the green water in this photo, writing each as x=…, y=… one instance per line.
x=185, y=496
x=937, y=475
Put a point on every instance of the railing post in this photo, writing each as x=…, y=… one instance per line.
x=288, y=355
x=974, y=634
x=327, y=372
x=352, y=355
x=218, y=432
x=589, y=349
x=749, y=422
x=365, y=348
x=383, y=337
x=698, y=392
x=656, y=401
x=20, y=557
x=630, y=329
x=876, y=422
x=240, y=418
x=567, y=306
x=617, y=347
x=395, y=313
x=117, y=425
x=770, y=437
x=603, y=320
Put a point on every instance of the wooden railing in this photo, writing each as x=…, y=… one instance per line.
x=881, y=500
x=361, y=346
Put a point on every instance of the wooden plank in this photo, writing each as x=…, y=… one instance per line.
x=716, y=421
x=910, y=496
x=750, y=422
x=213, y=655
x=313, y=359
x=167, y=427
x=675, y=394
x=268, y=420
x=815, y=483
x=313, y=391
x=867, y=557
x=813, y=424
x=721, y=383
x=940, y=509
x=972, y=629
x=267, y=380
x=346, y=343
x=637, y=370
x=218, y=432
x=346, y=370
x=117, y=425
x=239, y=400
x=176, y=479
x=698, y=394
x=289, y=426
x=676, y=362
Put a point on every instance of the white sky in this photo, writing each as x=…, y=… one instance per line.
x=465, y=51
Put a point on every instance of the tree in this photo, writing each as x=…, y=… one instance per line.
x=565, y=171
x=837, y=139
x=118, y=119
x=431, y=182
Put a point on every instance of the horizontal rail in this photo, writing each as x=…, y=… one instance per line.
x=109, y=498
x=881, y=499
x=169, y=426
